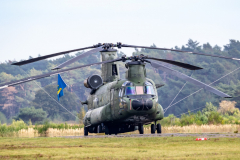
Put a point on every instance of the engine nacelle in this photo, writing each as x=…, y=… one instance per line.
x=93, y=82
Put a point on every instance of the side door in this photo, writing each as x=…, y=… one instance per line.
x=114, y=98
x=112, y=102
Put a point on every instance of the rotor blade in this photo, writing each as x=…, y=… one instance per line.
x=180, y=64
x=48, y=56
x=189, y=79
x=125, y=45
x=78, y=57
x=52, y=73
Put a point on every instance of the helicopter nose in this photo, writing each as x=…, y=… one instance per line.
x=142, y=104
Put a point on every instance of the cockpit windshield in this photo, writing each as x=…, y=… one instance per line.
x=138, y=90
x=130, y=91
x=149, y=90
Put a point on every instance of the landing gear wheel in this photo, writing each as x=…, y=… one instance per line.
x=153, y=129
x=159, y=128
x=85, y=131
x=99, y=128
x=107, y=132
x=115, y=131
x=140, y=129
x=94, y=129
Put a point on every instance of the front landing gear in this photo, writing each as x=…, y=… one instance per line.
x=153, y=129
x=140, y=129
x=159, y=128
x=156, y=127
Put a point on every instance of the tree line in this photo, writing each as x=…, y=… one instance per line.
x=29, y=95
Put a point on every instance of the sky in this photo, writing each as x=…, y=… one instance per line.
x=29, y=28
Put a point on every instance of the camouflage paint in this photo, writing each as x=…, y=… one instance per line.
x=106, y=106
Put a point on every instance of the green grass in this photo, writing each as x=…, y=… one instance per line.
x=8, y=131
x=119, y=148
x=43, y=128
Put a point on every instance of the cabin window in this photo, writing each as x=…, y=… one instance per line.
x=114, y=69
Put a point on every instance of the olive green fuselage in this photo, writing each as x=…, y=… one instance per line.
x=130, y=101
x=106, y=106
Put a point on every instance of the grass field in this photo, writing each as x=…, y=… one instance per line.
x=119, y=148
x=227, y=128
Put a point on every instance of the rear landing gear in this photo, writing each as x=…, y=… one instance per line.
x=99, y=128
x=140, y=129
x=107, y=130
x=85, y=131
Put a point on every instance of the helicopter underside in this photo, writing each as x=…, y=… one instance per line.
x=127, y=125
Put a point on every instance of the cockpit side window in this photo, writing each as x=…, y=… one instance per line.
x=127, y=83
x=148, y=88
x=121, y=91
x=148, y=83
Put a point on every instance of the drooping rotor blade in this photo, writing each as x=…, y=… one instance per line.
x=52, y=73
x=78, y=57
x=133, y=46
x=189, y=79
x=180, y=64
x=48, y=56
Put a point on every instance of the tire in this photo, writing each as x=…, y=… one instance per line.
x=94, y=129
x=115, y=130
x=85, y=131
x=107, y=132
x=153, y=129
x=159, y=128
x=99, y=128
x=140, y=129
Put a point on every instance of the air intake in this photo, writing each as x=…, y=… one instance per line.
x=93, y=82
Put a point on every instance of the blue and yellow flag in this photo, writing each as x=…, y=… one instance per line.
x=61, y=86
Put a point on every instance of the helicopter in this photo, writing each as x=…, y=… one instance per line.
x=118, y=105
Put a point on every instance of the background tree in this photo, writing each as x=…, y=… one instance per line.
x=3, y=118
x=31, y=115
x=25, y=94
x=69, y=101
x=209, y=108
x=228, y=107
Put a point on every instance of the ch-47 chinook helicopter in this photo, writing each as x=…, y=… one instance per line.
x=121, y=105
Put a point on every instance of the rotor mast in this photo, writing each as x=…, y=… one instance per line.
x=136, y=72
x=110, y=71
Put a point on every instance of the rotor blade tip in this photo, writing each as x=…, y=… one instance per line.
x=236, y=59
x=56, y=68
x=3, y=86
x=228, y=97
x=15, y=64
x=198, y=68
